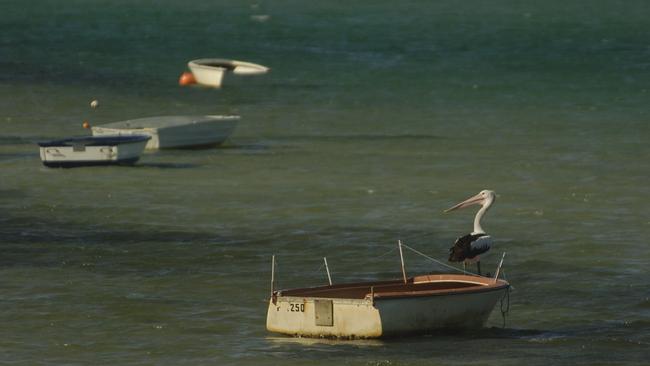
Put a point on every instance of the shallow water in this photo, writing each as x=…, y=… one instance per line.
x=376, y=117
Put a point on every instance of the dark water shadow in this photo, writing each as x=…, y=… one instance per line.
x=19, y=141
x=42, y=240
x=24, y=140
x=12, y=194
x=30, y=242
x=15, y=140
x=18, y=156
x=355, y=138
x=145, y=165
x=290, y=142
x=246, y=147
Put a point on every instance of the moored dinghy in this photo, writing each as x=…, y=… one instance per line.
x=174, y=131
x=92, y=150
x=210, y=71
x=379, y=309
x=415, y=305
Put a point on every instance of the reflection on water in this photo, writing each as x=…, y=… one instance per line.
x=304, y=341
x=533, y=335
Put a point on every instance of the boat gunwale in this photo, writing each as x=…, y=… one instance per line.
x=224, y=64
x=135, y=124
x=481, y=284
x=112, y=140
x=443, y=292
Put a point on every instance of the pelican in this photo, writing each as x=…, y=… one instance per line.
x=467, y=248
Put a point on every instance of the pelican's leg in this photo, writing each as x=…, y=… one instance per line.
x=464, y=265
x=478, y=266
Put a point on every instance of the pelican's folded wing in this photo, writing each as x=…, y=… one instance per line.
x=481, y=244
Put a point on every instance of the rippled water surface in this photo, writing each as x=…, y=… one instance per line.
x=375, y=117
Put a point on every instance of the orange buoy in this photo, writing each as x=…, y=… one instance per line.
x=86, y=124
x=187, y=78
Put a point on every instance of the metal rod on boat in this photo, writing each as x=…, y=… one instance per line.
x=327, y=268
x=272, y=274
x=496, y=274
x=401, y=258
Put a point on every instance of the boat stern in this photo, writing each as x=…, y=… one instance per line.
x=323, y=317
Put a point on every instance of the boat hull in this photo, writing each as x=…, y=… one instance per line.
x=210, y=71
x=425, y=314
x=395, y=312
x=211, y=76
x=89, y=151
x=168, y=132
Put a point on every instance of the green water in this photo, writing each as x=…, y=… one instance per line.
x=376, y=116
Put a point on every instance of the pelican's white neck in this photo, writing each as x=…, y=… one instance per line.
x=479, y=215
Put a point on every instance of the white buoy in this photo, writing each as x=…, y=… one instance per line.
x=94, y=104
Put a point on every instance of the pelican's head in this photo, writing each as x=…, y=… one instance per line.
x=483, y=198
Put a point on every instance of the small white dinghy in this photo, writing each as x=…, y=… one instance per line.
x=422, y=304
x=210, y=71
x=416, y=305
x=174, y=131
x=92, y=150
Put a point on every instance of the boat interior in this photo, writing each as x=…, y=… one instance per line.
x=219, y=63
x=414, y=286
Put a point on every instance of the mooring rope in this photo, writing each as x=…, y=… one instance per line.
x=503, y=275
x=387, y=253
x=437, y=261
x=504, y=313
x=319, y=268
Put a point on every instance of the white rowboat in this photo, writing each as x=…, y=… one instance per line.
x=210, y=71
x=92, y=150
x=174, y=131
x=421, y=304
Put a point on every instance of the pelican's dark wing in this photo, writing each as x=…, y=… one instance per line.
x=469, y=246
x=479, y=246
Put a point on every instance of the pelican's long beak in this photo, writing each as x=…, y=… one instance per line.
x=475, y=200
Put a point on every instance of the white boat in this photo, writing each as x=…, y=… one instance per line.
x=174, y=131
x=92, y=150
x=420, y=304
x=210, y=71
